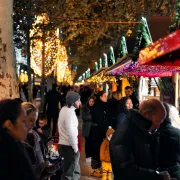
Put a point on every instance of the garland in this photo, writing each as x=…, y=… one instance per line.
x=111, y=54
x=122, y=48
x=176, y=19
x=142, y=33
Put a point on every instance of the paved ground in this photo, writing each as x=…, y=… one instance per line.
x=85, y=167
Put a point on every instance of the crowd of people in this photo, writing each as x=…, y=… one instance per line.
x=124, y=139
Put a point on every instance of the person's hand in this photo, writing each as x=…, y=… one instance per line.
x=43, y=165
x=165, y=175
x=40, y=130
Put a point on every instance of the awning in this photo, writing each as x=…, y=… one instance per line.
x=164, y=52
x=151, y=71
x=119, y=67
x=126, y=66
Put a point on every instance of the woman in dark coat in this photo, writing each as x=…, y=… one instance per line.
x=86, y=127
x=98, y=130
x=113, y=103
x=14, y=162
x=122, y=109
x=169, y=156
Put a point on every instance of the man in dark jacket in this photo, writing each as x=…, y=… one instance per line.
x=133, y=145
x=169, y=151
x=52, y=106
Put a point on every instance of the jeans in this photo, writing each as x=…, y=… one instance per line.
x=70, y=163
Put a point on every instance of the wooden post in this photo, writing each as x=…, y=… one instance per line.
x=176, y=77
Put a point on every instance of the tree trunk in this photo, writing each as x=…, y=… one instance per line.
x=8, y=79
x=43, y=76
x=29, y=54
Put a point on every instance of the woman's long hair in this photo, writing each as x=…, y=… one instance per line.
x=28, y=107
x=174, y=116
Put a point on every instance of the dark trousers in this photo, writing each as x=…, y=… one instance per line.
x=53, y=117
x=88, y=150
x=70, y=163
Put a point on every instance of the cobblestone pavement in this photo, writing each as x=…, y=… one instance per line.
x=85, y=166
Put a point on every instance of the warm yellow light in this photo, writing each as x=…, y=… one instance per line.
x=53, y=49
x=23, y=77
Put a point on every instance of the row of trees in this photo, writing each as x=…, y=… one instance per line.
x=85, y=40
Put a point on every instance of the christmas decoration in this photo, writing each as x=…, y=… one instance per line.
x=100, y=64
x=105, y=61
x=95, y=67
x=176, y=19
x=112, y=58
x=133, y=68
x=122, y=48
x=164, y=52
x=143, y=35
x=48, y=42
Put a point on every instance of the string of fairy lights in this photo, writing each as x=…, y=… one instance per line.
x=55, y=54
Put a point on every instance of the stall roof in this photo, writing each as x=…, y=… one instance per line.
x=164, y=52
x=121, y=62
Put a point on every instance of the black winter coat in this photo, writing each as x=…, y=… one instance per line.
x=52, y=100
x=133, y=150
x=99, y=127
x=14, y=162
x=112, y=112
x=121, y=111
x=99, y=117
x=86, y=117
x=135, y=101
x=169, y=156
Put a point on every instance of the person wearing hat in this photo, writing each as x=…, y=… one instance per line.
x=68, y=136
x=105, y=156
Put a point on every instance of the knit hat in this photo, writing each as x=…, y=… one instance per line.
x=109, y=131
x=72, y=97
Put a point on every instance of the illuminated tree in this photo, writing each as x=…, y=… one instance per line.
x=47, y=52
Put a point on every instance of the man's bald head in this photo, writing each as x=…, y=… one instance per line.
x=153, y=110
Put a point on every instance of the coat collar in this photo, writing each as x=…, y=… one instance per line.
x=140, y=121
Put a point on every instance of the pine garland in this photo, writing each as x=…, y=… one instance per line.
x=142, y=33
x=111, y=54
x=95, y=67
x=176, y=19
x=122, y=48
